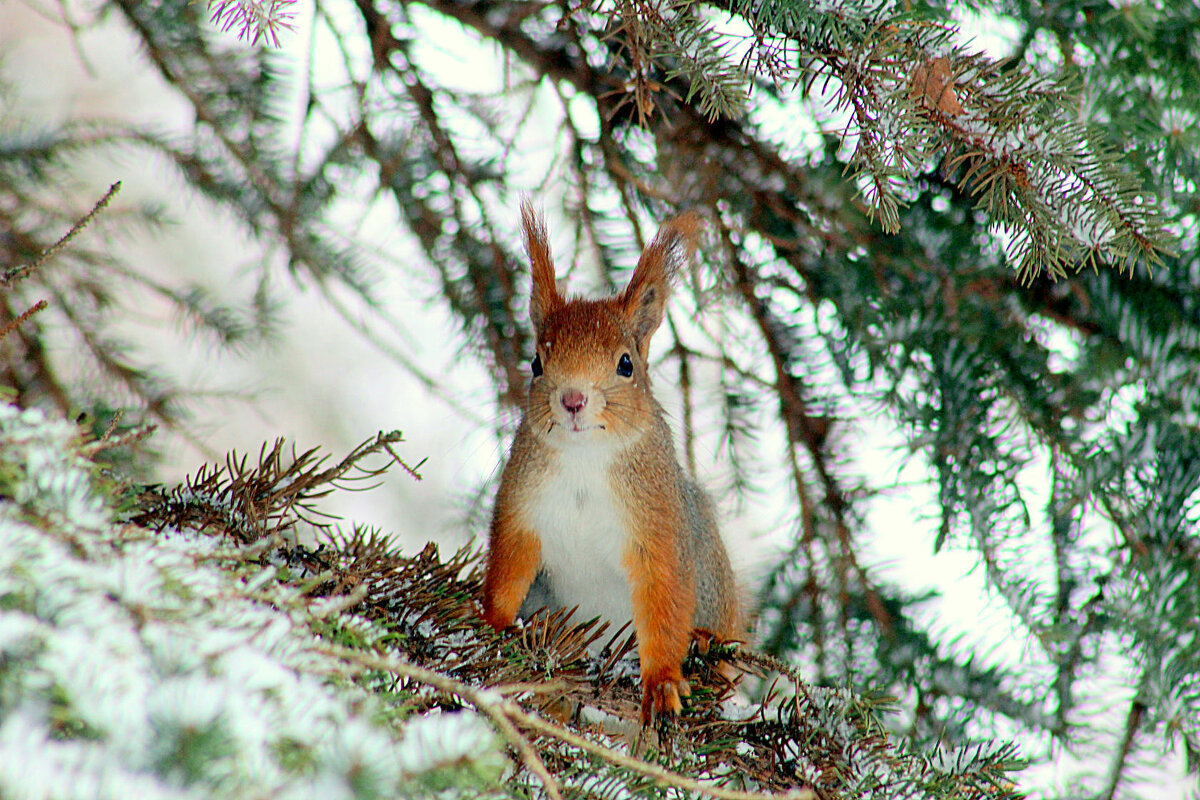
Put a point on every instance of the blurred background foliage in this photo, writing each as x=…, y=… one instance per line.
x=993, y=259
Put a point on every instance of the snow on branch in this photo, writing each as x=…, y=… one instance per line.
x=137, y=665
x=916, y=98
x=913, y=101
x=212, y=659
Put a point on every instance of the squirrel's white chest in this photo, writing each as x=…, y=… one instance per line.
x=584, y=533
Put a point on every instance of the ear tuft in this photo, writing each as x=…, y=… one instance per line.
x=544, y=298
x=645, y=298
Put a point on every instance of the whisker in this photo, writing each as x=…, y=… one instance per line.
x=626, y=413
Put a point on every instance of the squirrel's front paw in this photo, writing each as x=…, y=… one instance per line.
x=661, y=696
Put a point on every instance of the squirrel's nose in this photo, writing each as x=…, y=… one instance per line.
x=573, y=400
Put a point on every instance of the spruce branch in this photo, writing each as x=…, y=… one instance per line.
x=913, y=97
x=507, y=714
x=250, y=176
x=68, y=357
x=943, y=342
x=263, y=500
x=674, y=35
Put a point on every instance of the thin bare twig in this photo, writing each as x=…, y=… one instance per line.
x=11, y=276
x=16, y=323
x=495, y=707
x=109, y=442
x=488, y=703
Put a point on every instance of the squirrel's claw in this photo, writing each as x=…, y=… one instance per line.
x=663, y=698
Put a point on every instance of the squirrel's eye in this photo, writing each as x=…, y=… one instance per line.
x=536, y=365
x=625, y=366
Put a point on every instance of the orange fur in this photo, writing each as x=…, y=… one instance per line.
x=664, y=601
x=545, y=299
x=513, y=557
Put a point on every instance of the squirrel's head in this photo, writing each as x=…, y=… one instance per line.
x=590, y=379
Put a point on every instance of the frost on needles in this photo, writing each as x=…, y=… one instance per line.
x=135, y=666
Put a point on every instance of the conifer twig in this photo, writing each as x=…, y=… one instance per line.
x=113, y=423
x=11, y=276
x=20, y=320
x=382, y=442
x=110, y=442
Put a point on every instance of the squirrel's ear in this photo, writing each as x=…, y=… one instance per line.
x=645, y=298
x=544, y=299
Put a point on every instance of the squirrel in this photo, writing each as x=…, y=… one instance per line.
x=593, y=502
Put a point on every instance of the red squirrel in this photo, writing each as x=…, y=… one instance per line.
x=593, y=501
